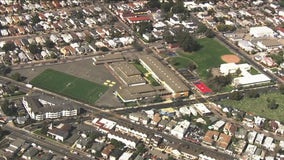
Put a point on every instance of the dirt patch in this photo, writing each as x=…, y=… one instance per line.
x=231, y=58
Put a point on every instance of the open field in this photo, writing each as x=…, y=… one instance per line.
x=209, y=56
x=258, y=106
x=69, y=85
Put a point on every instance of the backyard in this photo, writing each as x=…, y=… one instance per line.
x=258, y=106
x=68, y=85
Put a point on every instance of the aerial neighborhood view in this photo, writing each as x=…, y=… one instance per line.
x=142, y=79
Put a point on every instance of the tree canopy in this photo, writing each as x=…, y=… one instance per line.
x=34, y=48
x=187, y=42
x=9, y=46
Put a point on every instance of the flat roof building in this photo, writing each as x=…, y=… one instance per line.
x=164, y=76
x=42, y=106
x=108, y=58
x=134, y=93
x=128, y=74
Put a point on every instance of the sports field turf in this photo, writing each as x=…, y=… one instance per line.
x=70, y=86
x=258, y=106
x=209, y=56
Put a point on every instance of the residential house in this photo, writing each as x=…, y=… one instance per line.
x=125, y=156
x=180, y=129
x=219, y=124
x=163, y=123
x=251, y=136
x=83, y=142
x=130, y=131
x=60, y=132
x=15, y=146
x=107, y=150
x=171, y=125
x=115, y=154
x=97, y=147
x=30, y=153
x=259, y=139
x=156, y=119
x=104, y=125
x=210, y=137
x=240, y=146
x=230, y=129
x=129, y=141
x=156, y=140
x=223, y=141
x=135, y=20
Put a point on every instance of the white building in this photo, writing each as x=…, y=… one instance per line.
x=129, y=141
x=251, y=137
x=132, y=132
x=219, y=124
x=251, y=80
x=104, y=125
x=231, y=68
x=180, y=129
x=246, y=45
x=185, y=110
x=51, y=108
x=262, y=31
x=202, y=109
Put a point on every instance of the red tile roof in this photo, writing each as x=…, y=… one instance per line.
x=142, y=18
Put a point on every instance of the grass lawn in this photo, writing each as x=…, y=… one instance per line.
x=140, y=68
x=209, y=56
x=258, y=106
x=180, y=62
x=69, y=86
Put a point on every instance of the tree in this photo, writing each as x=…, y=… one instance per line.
x=35, y=19
x=34, y=48
x=9, y=46
x=166, y=6
x=116, y=143
x=153, y=4
x=236, y=96
x=168, y=37
x=8, y=109
x=225, y=28
x=178, y=7
x=209, y=33
x=144, y=27
x=281, y=89
x=89, y=38
x=49, y=44
x=44, y=128
x=253, y=94
x=187, y=42
x=16, y=76
x=4, y=69
x=271, y=104
x=137, y=46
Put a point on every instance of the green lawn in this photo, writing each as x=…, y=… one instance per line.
x=180, y=62
x=140, y=68
x=69, y=85
x=258, y=106
x=209, y=56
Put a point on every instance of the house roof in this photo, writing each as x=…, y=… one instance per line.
x=107, y=150
x=210, y=136
x=140, y=18
x=223, y=141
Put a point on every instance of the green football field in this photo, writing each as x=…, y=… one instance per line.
x=70, y=86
